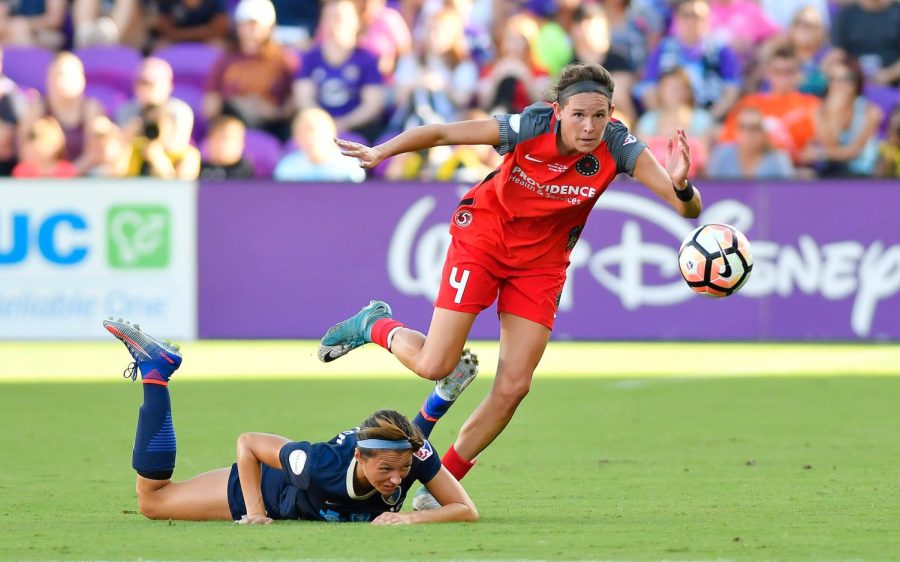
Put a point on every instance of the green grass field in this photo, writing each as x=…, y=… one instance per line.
x=621, y=452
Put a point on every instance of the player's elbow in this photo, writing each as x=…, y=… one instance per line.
x=244, y=444
x=471, y=514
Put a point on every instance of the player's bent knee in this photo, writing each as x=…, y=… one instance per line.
x=149, y=507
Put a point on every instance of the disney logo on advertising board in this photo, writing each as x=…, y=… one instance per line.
x=834, y=271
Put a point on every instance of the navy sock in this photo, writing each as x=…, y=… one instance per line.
x=154, y=444
x=432, y=411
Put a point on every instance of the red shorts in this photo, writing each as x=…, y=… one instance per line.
x=472, y=280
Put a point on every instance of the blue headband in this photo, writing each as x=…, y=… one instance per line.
x=583, y=87
x=384, y=444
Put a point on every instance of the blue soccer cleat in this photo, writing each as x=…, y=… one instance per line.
x=157, y=360
x=344, y=337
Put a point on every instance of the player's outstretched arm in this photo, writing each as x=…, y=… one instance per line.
x=481, y=131
x=456, y=505
x=665, y=181
x=252, y=449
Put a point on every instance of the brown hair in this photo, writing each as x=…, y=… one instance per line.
x=47, y=131
x=459, y=52
x=577, y=72
x=681, y=74
x=390, y=425
x=223, y=122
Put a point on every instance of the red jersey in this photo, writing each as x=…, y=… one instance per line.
x=530, y=212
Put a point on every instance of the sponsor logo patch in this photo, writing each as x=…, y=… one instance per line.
x=463, y=218
x=629, y=140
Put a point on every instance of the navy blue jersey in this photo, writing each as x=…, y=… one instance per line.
x=316, y=482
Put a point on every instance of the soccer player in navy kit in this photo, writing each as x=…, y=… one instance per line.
x=363, y=474
x=512, y=236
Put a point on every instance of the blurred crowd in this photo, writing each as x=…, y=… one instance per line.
x=222, y=89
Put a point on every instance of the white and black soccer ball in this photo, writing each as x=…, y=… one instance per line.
x=715, y=260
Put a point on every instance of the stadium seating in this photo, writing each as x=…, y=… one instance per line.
x=263, y=151
x=190, y=62
x=27, y=66
x=113, y=66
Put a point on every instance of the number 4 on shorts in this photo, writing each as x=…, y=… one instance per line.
x=458, y=283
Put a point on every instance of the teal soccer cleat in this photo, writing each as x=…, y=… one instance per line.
x=157, y=360
x=344, y=337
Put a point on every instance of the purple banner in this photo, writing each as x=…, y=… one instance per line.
x=289, y=260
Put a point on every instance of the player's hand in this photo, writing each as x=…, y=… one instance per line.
x=678, y=157
x=391, y=518
x=368, y=157
x=255, y=519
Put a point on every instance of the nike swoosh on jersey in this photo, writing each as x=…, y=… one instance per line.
x=533, y=159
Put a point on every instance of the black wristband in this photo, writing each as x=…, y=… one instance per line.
x=685, y=194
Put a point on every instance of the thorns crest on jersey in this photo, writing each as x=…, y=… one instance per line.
x=588, y=165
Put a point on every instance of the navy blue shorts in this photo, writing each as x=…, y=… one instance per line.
x=279, y=497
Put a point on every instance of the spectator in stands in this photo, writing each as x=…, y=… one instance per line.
x=889, y=150
x=341, y=77
x=634, y=28
x=469, y=163
x=179, y=21
x=106, y=22
x=741, y=24
x=789, y=114
x=437, y=81
x=591, y=44
x=317, y=158
x=153, y=86
x=296, y=22
x=108, y=151
x=158, y=152
x=384, y=33
x=846, y=125
x=12, y=103
x=676, y=110
x=225, y=151
x=67, y=103
x=253, y=80
x=752, y=154
x=515, y=80
x=806, y=35
x=713, y=67
x=869, y=31
x=43, y=152
x=783, y=12
x=33, y=22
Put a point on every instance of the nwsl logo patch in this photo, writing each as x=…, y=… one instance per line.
x=425, y=452
x=588, y=165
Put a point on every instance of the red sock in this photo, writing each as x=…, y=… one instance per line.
x=382, y=329
x=457, y=465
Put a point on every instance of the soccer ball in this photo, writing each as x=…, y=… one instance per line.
x=715, y=260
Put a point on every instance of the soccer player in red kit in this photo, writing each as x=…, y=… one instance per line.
x=512, y=236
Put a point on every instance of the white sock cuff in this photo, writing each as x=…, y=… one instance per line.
x=390, y=337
